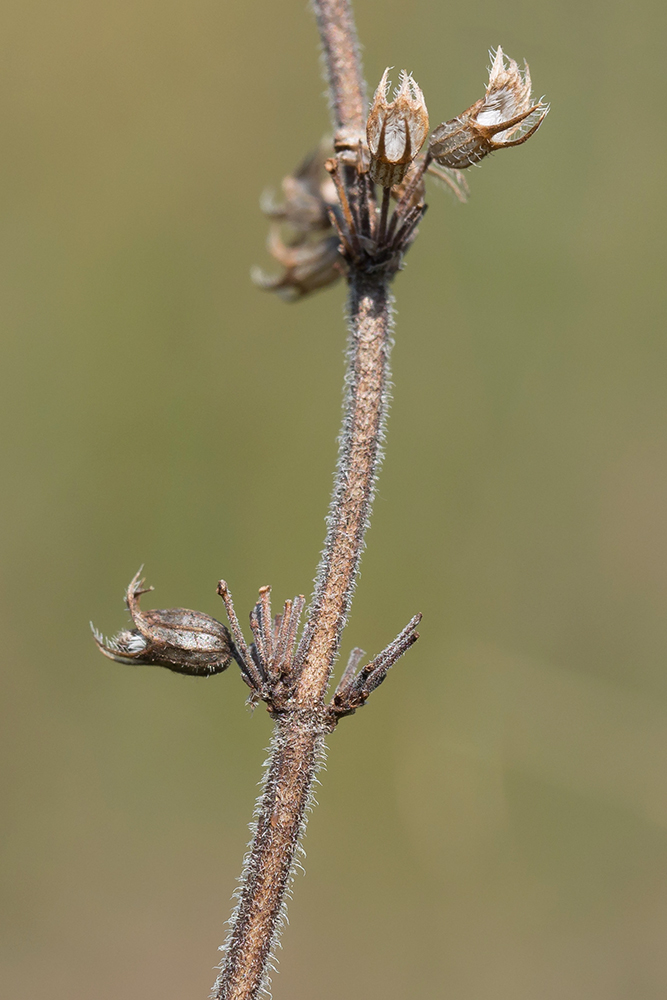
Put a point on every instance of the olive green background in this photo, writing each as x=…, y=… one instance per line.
x=493, y=826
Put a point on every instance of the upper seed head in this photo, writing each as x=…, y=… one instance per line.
x=395, y=131
x=503, y=117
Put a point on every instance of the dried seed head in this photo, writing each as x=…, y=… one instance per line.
x=309, y=265
x=396, y=131
x=504, y=117
x=309, y=194
x=302, y=239
x=188, y=642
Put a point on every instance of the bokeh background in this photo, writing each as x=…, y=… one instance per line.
x=493, y=826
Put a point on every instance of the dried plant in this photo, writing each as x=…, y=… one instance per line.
x=330, y=224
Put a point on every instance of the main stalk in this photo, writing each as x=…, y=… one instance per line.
x=299, y=735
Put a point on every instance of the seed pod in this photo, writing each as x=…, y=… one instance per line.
x=188, y=642
x=395, y=131
x=504, y=117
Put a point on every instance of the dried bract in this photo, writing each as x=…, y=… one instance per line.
x=504, y=117
x=395, y=131
x=268, y=665
x=187, y=642
x=355, y=686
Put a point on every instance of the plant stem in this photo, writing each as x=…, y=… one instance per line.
x=342, y=63
x=295, y=748
x=298, y=740
x=384, y=212
x=299, y=736
x=363, y=426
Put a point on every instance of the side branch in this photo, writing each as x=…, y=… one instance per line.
x=347, y=88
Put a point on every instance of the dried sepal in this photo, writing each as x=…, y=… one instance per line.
x=504, y=117
x=395, y=130
x=268, y=665
x=356, y=685
x=188, y=642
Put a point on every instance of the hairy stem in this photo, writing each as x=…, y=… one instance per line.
x=363, y=426
x=342, y=62
x=295, y=749
x=300, y=733
x=299, y=736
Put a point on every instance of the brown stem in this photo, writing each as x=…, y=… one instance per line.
x=295, y=750
x=367, y=378
x=299, y=735
x=342, y=62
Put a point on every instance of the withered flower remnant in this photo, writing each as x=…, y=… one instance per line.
x=309, y=194
x=309, y=265
x=504, y=117
x=302, y=238
x=188, y=642
x=395, y=131
x=332, y=220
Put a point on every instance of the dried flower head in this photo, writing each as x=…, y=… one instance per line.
x=188, y=642
x=504, y=117
x=302, y=238
x=309, y=194
x=395, y=131
x=308, y=264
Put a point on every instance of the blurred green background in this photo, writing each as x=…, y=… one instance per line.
x=494, y=825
